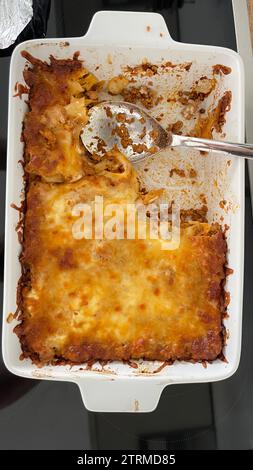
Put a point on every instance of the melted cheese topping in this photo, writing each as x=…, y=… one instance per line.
x=58, y=111
x=116, y=299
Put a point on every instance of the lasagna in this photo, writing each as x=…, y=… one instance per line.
x=87, y=299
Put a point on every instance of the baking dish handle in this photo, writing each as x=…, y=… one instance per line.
x=132, y=28
x=120, y=395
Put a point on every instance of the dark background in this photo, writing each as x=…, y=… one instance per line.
x=51, y=415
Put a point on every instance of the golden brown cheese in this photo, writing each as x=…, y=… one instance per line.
x=57, y=102
x=116, y=299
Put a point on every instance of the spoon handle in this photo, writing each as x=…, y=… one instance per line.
x=237, y=150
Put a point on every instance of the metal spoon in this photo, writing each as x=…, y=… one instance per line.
x=137, y=135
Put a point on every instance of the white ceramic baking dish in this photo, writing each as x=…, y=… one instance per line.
x=114, y=39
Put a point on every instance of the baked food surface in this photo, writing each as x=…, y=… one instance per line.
x=99, y=299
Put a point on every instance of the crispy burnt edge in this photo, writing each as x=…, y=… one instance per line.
x=25, y=278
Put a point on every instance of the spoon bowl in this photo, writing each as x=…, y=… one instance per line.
x=125, y=126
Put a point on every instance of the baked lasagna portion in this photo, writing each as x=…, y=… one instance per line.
x=109, y=299
x=59, y=94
